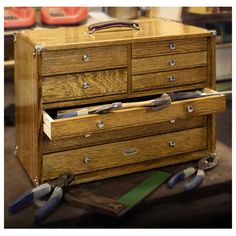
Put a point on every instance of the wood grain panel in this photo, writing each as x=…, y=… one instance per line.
x=136, y=167
x=109, y=136
x=132, y=117
x=153, y=64
x=28, y=108
x=123, y=153
x=159, y=48
x=71, y=60
x=69, y=87
x=162, y=79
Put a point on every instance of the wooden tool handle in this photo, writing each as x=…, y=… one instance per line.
x=110, y=24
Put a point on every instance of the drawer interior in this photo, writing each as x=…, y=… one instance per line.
x=82, y=125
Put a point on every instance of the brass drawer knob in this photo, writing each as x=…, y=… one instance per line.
x=172, y=78
x=190, y=108
x=172, y=46
x=87, y=160
x=172, y=143
x=100, y=124
x=85, y=57
x=171, y=62
x=86, y=85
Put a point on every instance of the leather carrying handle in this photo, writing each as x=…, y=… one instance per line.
x=110, y=24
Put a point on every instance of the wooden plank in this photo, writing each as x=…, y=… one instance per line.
x=70, y=86
x=123, y=153
x=140, y=50
x=71, y=60
x=154, y=64
x=109, y=136
x=136, y=116
x=28, y=109
x=162, y=79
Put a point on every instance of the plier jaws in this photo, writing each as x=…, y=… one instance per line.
x=55, y=186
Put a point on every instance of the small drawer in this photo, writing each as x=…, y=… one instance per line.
x=84, y=85
x=96, y=123
x=168, y=47
x=169, y=79
x=169, y=62
x=80, y=60
x=124, y=153
x=115, y=135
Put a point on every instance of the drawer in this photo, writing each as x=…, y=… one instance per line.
x=67, y=127
x=169, y=62
x=169, y=79
x=84, y=59
x=168, y=47
x=123, y=153
x=115, y=135
x=83, y=85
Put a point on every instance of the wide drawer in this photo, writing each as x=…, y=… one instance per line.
x=169, y=79
x=66, y=127
x=84, y=59
x=83, y=85
x=115, y=135
x=169, y=62
x=168, y=47
x=124, y=153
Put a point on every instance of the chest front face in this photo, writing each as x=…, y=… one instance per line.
x=79, y=69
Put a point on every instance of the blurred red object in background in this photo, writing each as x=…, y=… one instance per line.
x=63, y=15
x=19, y=17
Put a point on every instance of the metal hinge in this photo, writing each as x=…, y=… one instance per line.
x=38, y=49
x=213, y=32
x=14, y=37
x=36, y=182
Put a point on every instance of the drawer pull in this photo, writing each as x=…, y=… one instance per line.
x=172, y=78
x=190, y=108
x=172, y=121
x=87, y=160
x=172, y=143
x=100, y=124
x=85, y=57
x=171, y=62
x=130, y=152
x=86, y=85
x=87, y=135
x=172, y=46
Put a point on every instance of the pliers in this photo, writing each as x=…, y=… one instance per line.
x=203, y=164
x=55, y=186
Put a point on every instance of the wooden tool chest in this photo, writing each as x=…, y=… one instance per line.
x=67, y=68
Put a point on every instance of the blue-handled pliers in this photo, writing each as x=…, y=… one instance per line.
x=55, y=186
x=203, y=164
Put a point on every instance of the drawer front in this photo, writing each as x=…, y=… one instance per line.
x=169, y=62
x=168, y=47
x=169, y=79
x=91, y=139
x=124, y=153
x=83, y=85
x=124, y=118
x=86, y=59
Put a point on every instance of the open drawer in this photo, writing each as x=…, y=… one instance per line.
x=118, y=119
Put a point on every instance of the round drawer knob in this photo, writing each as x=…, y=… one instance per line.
x=86, y=85
x=172, y=78
x=171, y=62
x=190, y=108
x=172, y=143
x=172, y=46
x=85, y=57
x=100, y=124
x=87, y=160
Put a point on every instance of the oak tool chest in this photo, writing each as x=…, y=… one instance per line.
x=71, y=68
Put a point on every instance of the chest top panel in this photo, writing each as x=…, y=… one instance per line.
x=77, y=37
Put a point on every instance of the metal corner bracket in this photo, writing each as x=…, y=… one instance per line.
x=38, y=49
x=213, y=32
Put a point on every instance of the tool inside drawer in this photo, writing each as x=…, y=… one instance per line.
x=182, y=105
